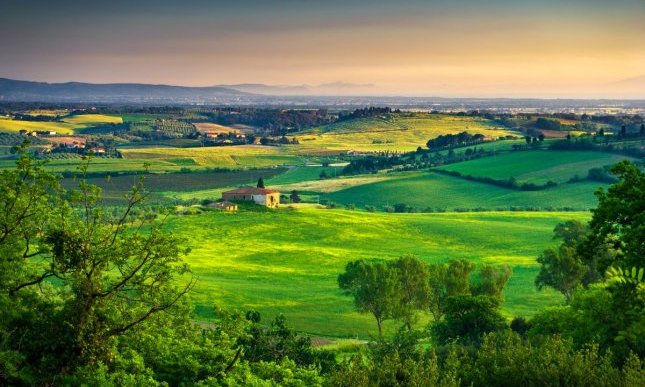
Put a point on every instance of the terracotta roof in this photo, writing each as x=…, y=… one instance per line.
x=250, y=191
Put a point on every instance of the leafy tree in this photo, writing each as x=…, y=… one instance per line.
x=492, y=281
x=28, y=197
x=438, y=293
x=413, y=277
x=110, y=277
x=323, y=174
x=458, y=277
x=260, y=183
x=376, y=289
x=561, y=269
x=447, y=280
x=467, y=319
x=617, y=227
x=279, y=342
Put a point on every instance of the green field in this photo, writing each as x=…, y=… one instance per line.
x=430, y=190
x=9, y=125
x=163, y=187
x=102, y=164
x=405, y=131
x=242, y=156
x=287, y=261
x=537, y=166
x=67, y=126
x=93, y=119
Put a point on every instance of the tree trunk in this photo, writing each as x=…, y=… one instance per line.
x=380, y=329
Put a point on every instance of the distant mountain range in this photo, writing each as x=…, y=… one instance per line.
x=325, y=89
x=27, y=91
x=338, y=94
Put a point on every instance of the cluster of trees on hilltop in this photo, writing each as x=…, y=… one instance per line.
x=275, y=122
x=96, y=296
x=547, y=123
x=371, y=111
x=450, y=140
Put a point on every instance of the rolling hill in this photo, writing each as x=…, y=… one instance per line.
x=427, y=190
x=405, y=131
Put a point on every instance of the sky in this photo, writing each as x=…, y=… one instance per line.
x=456, y=48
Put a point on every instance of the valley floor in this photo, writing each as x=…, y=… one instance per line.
x=287, y=261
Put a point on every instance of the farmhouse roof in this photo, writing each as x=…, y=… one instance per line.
x=251, y=191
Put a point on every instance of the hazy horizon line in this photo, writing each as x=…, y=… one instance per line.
x=346, y=85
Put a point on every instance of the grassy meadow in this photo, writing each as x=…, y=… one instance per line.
x=287, y=261
x=537, y=166
x=66, y=126
x=242, y=156
x=400, y=132
x=423, y=190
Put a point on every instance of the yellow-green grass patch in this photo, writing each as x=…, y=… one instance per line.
x=10, y=125
x=92, y=119
x=398, y=132
x=243, y=156
x=287, y=261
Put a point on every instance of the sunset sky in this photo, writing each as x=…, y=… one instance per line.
x=548, y=48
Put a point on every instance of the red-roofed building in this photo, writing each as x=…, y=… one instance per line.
x=261, y=196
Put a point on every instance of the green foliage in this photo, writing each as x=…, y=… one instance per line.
x=492, y=281
x=467, y=319
x=562, y=268
x=413, y=276
x=546, y=123
x=503, y=359
x=618, y=223
x=391, y=370
x=454, y=279
x=633, y=276
x=28, y=195
x=102, y=302
x=375, y=288
x=279, y=342
x=535, y=166
x=422, y=190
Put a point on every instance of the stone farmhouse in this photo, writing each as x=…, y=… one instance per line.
x=262, y=196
